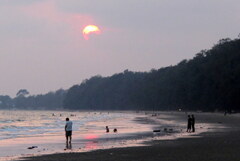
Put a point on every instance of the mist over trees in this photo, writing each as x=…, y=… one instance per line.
x=210, y=81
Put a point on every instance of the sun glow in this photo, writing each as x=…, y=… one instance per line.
x=89, y=30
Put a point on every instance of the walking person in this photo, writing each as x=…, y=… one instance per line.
x=189, y=124
x=68, y=131
x=193, y=123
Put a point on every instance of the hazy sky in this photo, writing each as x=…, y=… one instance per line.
x=42, y=47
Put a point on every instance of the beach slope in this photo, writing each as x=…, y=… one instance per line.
x=219, y=145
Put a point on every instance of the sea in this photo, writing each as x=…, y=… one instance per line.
x=44, y=131
x=28, y=123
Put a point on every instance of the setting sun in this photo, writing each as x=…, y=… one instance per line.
x=90, y=29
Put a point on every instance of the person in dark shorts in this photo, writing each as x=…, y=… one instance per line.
x=193, y=123
x=189, y=124
x=68, y=130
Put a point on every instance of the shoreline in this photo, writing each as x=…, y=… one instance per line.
x=225, y=127
x=130, y=133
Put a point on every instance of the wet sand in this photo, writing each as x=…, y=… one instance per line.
x=221, y=143
x=87, y=137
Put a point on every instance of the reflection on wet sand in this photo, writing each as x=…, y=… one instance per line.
x=91, y=145
x=90, y=133
x=68, y=146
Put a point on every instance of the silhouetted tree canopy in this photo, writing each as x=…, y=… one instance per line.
x=210, y=81
x=5, y=102
x=49, y=101
x=22, y=93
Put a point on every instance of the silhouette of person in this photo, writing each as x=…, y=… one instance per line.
x=68, y=130
x=107, y=129
x=189, y=124
x=193, y=123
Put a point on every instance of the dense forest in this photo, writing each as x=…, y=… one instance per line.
x=210, y=81
x=49, y=101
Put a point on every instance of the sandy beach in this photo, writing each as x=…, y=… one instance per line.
x=45, y=133
x=219, y=143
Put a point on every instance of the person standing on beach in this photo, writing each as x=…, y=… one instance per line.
x=193, y=123
x=68, y=130
x=189, y=124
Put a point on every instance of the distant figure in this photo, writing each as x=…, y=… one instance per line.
x=115, y=130
x=193, y=123
x=225, y=113
x=189, y=124
x=68, y=130
x=107, y=129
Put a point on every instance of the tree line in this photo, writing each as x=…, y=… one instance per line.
x=210, y=81
x=49, y=101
